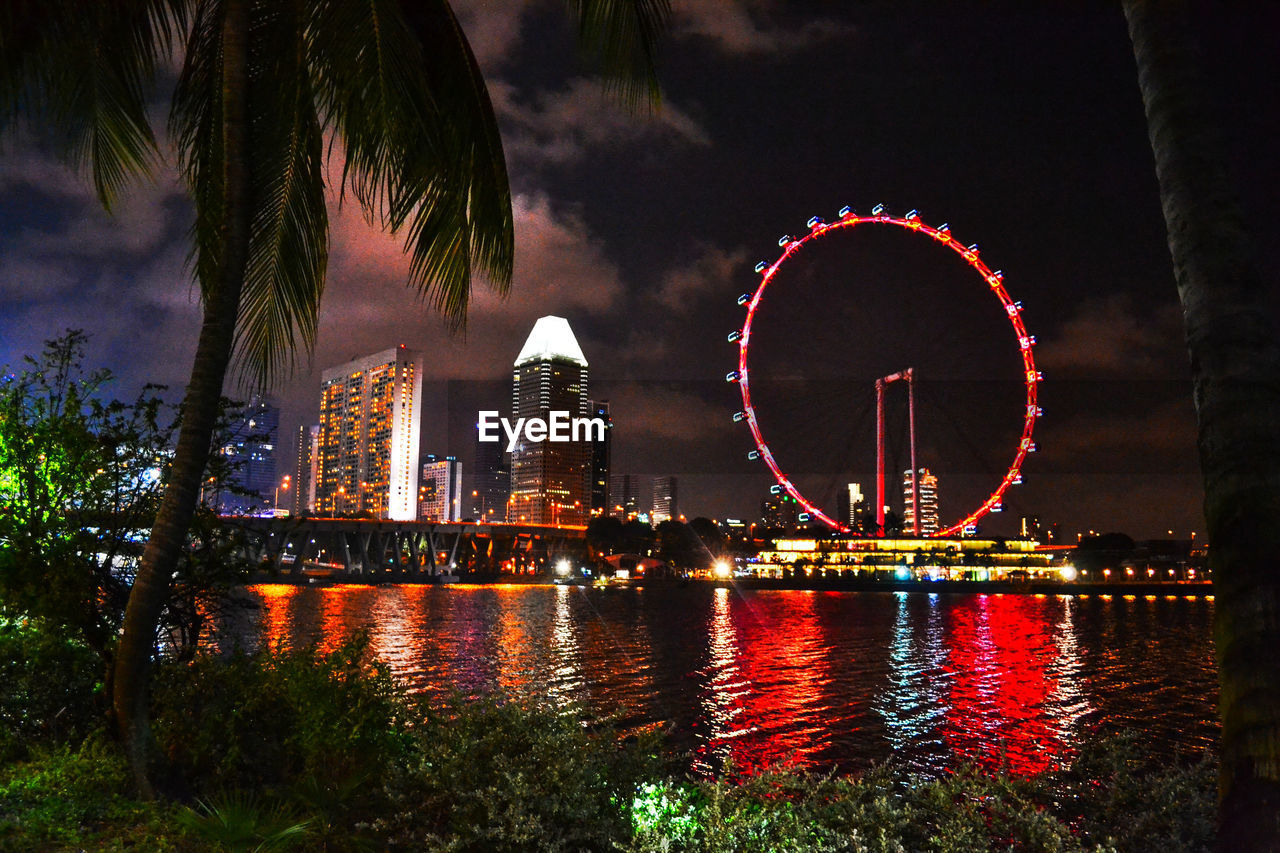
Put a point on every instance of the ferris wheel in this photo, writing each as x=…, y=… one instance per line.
x=993, y=281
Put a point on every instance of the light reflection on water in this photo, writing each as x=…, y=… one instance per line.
x=814, y=679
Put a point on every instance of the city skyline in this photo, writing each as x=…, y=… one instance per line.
x=642, y=230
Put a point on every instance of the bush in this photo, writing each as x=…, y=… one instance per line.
x=287, y=723
x=492, y=775
x=79, y=799
x=48, y=687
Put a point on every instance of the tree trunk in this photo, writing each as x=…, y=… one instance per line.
x=199, y=412
x=1235, y=366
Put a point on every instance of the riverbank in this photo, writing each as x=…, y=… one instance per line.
x=817, y=584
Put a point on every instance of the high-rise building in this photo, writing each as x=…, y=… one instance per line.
x=781, y=511
x=490, y=482
x=852, y=508
x=665, y=499
x=302, y=496
x=440, y=489
x=625, y=491
x=601, y=455
x=250, y=452
x=929, y=519
x=550, y=479
x=370, y=418
x=313, y=466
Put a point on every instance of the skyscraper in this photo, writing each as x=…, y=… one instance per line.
x=302, y=500
x=929, y=519
x=665, y=499
x=550, y=479
x=851, y=507
x=490, y=482
x=251, y=453
x=370, y=416
x=625, y=491
x=440, y=489
x=601, y=454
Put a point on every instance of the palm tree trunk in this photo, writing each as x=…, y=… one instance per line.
x=1235, y=365
x=199, y=412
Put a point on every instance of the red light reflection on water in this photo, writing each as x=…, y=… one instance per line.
x=1002, y=696
x=763, y=700
x=277, y=603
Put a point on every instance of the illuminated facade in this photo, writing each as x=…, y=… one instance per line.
x=601, y=457
x=440, y=489
x=665, y=499
x=251, y=454
x=624, y=491
x=370, y=417
x=929, y=520
x=550, y=480
x=303, y=499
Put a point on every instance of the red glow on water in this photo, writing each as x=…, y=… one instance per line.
x=1001, y=652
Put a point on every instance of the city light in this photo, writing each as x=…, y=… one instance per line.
x=722, y=569
x=1068, y=573
x=563, y=567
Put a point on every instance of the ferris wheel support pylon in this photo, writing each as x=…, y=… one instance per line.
x=908, y=376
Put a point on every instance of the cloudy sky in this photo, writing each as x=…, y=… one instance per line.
x=1023, y=130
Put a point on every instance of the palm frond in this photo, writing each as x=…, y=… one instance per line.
x=622, y=37
x=288, y=245
x=85, y=69
x=398, y=83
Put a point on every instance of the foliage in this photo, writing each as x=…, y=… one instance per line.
x=47, y=688
x=285, y=722
x=242, y=822
x=490, y=775
x=78, y=799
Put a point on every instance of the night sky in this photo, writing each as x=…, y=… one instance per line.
x=1022, y=129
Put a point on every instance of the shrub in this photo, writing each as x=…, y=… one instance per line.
x=48, y=687
x=516, y=775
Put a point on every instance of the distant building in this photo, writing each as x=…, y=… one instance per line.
x=302, y=494
x=370, y=420
x=550, y=479
x=313, y=466
x=490, y=482
x=440, y=489
x=1029, y=528
x=250, y=452
x=781, y=511
x=929, y=519
x=666, y=504
x=625, y=491
x=851, y=507
x=601, y=454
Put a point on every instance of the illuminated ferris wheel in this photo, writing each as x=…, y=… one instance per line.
x=994, y=281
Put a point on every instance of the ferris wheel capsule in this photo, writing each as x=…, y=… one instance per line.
x=760, y=267
x=735, y=335
x=753, y=455
x=784, y=239
x=912, y=215
x=877, y=210
x=775, y=489
x=739, y=417
x=845, y=212
x=731, y=376
x=744, y=299
x=814, y=222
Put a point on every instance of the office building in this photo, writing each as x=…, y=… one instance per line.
x=250, y=456
x=440, y=489
x=601, y=455
x=852, y=509
x=928, y=485
x=550, y=479
x=781, y=512
x=370, y=419
x=665, y=500
x=302, y=489
x=626, y=491
x=490, y=482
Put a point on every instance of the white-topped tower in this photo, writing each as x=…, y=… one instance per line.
x=550, y=481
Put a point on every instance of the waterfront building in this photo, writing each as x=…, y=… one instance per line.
x=929, y=518
x=601, y=457
x=490, y=481
x=370, y=420
x=666, y=505
x=250, y=454
x=550, y=480
x=440, y=489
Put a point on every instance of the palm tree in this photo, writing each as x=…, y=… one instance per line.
x=268, y=89
x=1235, y=365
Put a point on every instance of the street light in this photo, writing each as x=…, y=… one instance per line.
x=283, y=485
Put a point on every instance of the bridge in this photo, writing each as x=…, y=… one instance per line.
x=377, y=549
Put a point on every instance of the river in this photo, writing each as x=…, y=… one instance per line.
x=818, y=680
